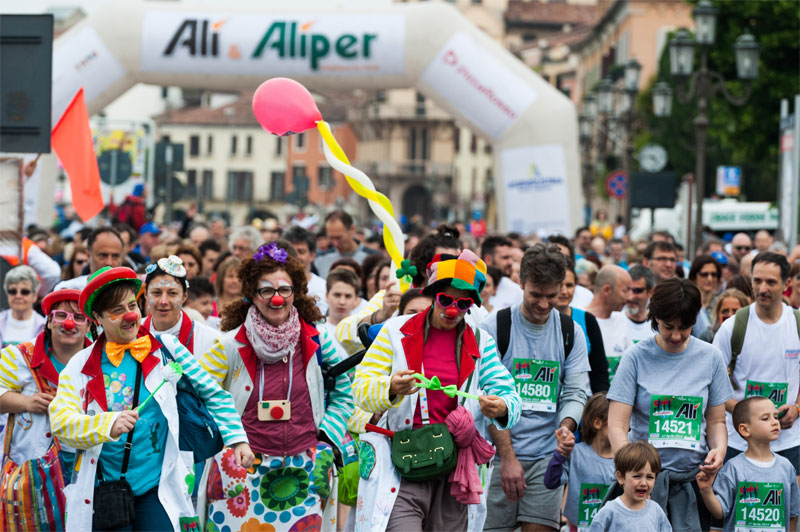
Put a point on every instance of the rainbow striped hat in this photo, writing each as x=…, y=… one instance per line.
x=465, y=272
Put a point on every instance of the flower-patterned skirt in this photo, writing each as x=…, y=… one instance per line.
x=276, y=494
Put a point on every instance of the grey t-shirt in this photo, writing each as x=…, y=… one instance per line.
x=647, y=370
x=742, y=469
x=616, y=517
x=532, y=437
x=584, y=466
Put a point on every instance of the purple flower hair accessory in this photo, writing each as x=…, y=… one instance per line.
x=272, y=251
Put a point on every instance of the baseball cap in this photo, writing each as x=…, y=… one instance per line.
x=150, y=228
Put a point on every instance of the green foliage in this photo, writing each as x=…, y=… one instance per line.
x=745, y=136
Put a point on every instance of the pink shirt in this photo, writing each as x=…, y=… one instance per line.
x=281, y=438
x=439, y=359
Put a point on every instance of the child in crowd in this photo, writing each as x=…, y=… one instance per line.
x=201, y=297
x=637, y=465
x=588, y=468
x=756, y=489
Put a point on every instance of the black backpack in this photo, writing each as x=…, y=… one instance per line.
x=504, y=331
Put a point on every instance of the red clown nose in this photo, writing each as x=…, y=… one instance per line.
x=68, y=325
x=131, y=317
x=451, y=312
x=277, y=301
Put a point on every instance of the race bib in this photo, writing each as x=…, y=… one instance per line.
x=675, y=421
x=591, y=499
x=774, y=391
x=613, y=364
x=759, y=507
x=537, y=383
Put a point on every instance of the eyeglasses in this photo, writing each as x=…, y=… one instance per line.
x=638, y=291
x=665, y=259
x=60, y=316
x=742, y=248
x=268, y=292
x=447, y=301
x=707, y=274
x=23, y=291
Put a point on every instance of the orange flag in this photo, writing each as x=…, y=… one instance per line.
x=72, y=141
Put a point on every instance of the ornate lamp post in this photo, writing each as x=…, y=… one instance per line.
x=703, y=84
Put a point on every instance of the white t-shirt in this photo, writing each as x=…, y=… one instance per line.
x=317, y=289
x=639, y=331
x=17, y=332
x=770, y=354
x=616, y=338
x=581, y=298
x=508, y=294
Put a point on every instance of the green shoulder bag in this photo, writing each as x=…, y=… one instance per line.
x=424, y=453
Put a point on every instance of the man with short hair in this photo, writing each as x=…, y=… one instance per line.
x=244, y=242
x=341, y=232
x=341, y=287
x=583, y=242
x=201, y=297
x=550, y=381
x=131, y=259
x=497, y=251
x=582, y=296
x=768, y=362
x=763, y=240
x=105, y=246
x=209, y=251
x=616, y=253
x=662, y=259
x=199, y=234
x=612, y=288
x=305, y=243
x=741, y=245
x=642, y=284
x=148, y=239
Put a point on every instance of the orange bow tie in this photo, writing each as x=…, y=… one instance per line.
x=139, y=349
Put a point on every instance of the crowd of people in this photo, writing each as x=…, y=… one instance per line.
x=292, y=378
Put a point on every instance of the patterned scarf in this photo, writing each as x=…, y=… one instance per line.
x=270, y=343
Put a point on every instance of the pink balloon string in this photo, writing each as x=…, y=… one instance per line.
x=465, y=484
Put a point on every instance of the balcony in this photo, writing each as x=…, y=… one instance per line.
x=385, y=111
x=405, y=169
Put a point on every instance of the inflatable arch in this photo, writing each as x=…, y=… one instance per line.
x=430, y=46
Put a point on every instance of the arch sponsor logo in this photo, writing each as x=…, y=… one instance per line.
x=240, y=43
x=535, y=181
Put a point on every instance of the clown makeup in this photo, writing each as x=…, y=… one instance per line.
x=121, y=322
x=165, y=299
x=278, y=286
x=68, y=335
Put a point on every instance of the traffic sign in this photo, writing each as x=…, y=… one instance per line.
x=617, y=184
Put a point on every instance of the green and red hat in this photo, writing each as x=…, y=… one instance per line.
x=58, y=296
x=102, y=278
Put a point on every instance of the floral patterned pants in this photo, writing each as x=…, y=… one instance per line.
x=276, y=494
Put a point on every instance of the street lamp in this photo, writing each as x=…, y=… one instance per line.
x=590, y=106
x=662, y=99
x=703, y=85
x=605, y=96
x=632, y=71
x=585, y=126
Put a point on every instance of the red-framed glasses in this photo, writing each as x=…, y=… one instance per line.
x=446, y=301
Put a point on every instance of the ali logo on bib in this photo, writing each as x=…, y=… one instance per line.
x=759, y=507
x=591, y=499
x=774, y=391
x=537, y=383
x=675, y=421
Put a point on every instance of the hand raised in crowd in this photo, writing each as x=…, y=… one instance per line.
x=38, y=402
x=244, y=455
x=566, y=441
x=403, y=383
x=512, y=476
x=789, y=417
x=124, y=423
x=391, y=300
x=492, y=406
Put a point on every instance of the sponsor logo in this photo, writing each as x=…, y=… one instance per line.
x=199, y=37
x=535, y=181
x=688, y=411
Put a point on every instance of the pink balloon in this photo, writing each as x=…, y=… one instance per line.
x=283, y=106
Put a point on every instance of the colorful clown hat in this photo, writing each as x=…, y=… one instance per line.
x=101, y=279
x=465, y=272
x=58, y=296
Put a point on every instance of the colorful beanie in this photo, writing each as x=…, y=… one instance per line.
x=100, y=279
x=465, y=272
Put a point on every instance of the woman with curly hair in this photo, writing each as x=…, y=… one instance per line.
x=270, y=358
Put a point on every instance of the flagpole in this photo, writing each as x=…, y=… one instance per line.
x=21, y=206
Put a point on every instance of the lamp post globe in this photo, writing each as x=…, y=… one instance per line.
x=705, y=22
x=746, y=50
x=632, y=71
x=605, y=96
x=662, y=99
x=681, y=54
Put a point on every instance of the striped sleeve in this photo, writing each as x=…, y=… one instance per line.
x=495, y=379
x=347, y=329
x=215, y=362
x=340, y=400
x=68, y=422
x=11, y=363
x=219, y=402
x=374, y=376
x=358, y=421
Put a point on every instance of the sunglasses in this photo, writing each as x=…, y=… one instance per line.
x=447, y=301
x=707, y=274
x=638, y=291
x=81, y=261
x=60, y=316
x=267, y=292
x=742, y=248
x=23, y=291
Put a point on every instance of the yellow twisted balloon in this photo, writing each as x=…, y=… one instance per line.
x=363, y=186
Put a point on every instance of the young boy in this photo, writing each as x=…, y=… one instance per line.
x=201, y=296
x=637, y=465
x=756, y=489
x=341, y=294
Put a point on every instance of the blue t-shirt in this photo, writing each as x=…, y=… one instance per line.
x=149, y=436
x=56, y=364
x=579, y=316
